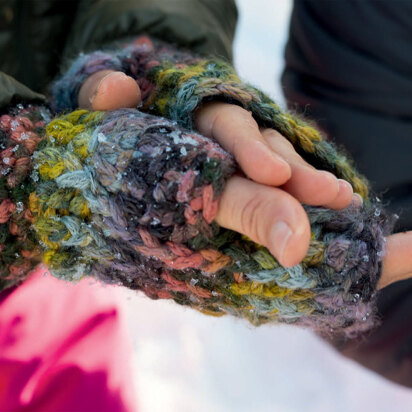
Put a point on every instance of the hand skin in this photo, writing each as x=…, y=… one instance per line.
x=265, y=204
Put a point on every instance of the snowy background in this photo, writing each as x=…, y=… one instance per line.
x=188, y=362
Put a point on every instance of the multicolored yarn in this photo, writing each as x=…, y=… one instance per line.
x=116, y=185
x=175, y=83
x=21, y=131
x=130, y=198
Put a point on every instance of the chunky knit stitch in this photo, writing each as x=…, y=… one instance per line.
x=175, y=83
x=21, y=130
x=129, y=198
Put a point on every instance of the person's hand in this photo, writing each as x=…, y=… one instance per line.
x=397, y=262
x=265, y=205
x=254, y=206
x=109, y=90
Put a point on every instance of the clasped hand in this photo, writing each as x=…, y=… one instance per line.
x=264, y=200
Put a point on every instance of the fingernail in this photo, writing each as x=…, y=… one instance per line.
x=357, y=199
x=347, y=184
x=280, y=235
x=96, y=91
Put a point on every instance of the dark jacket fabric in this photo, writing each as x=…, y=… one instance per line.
x=40, y=37
x=349, y=67
x=357, y=92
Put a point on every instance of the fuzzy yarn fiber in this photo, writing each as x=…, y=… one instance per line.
x=21, y=130
x=130, y=198
x=175, y=83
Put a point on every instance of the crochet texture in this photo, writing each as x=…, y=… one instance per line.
x=130, y=198
x=21, y=130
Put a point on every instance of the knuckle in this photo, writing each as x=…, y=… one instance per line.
x=249, y=120
x=236, y=125
x=251, y=216
x=279, y=138
x=241, y=113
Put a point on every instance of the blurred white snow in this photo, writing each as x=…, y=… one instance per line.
x=188, y=362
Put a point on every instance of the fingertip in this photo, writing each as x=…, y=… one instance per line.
x=280, y=236
x=345, y=194
x=116, y=90
x=344, y=197
x=357, y=200
x=238, y=133
x=295, y=240
x=269, y=216
x=331, y=180
x=295, y=250
x=397, y=260
x=311, y=186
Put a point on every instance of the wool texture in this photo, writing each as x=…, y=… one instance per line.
x=130, y=198
x=175, y=83
x=21, y=131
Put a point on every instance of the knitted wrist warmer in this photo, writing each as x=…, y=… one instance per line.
x=21, y=130
x=139, y=60
x=130, y=198
x=175, y=83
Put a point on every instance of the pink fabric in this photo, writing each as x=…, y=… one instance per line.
x=64, y=348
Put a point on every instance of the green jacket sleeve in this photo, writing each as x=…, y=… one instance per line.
x=12, y=92
x=204, y=26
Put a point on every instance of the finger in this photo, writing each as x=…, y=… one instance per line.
x=307, y=184
x=397, y=263
x=344, y=197
x=236, y=130
x=267, y=215
x=109, y=90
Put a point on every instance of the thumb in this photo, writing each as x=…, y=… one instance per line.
x=267, y=215
x=109, y=90
x=397, y=264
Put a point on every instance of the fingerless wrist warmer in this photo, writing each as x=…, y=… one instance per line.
x=175, y=83
x=129, y=198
